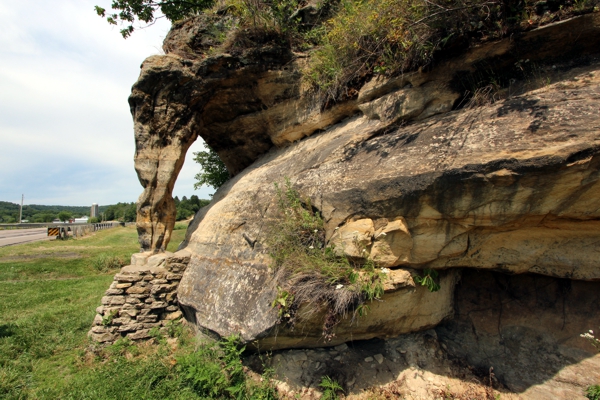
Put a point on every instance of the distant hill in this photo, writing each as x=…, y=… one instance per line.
x=9, y=212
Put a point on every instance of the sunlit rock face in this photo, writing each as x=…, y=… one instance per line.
x=397, y=175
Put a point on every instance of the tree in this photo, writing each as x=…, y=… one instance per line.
x=214, y=173
x=64, y=216
x=125, y=12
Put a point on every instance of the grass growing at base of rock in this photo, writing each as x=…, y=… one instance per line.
x=48, y=294
x=311, y=272
x=593, y=392
x=330, y=388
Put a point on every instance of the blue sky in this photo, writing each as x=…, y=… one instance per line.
x=66, y=134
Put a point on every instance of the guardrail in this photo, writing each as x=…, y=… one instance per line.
x=61, y=231
x=59, y=225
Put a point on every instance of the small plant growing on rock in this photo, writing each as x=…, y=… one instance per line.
x=330, y=388
x=593, y=392
x=107, y=319
x=589, y=336
x=311, y=271
x=428, y=279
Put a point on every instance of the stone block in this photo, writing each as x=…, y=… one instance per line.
x=158, y=304
x=100, y=310
x=171, y=297
x=341, y=347
x=117, y=300
x=173, y=316
x=132, y=300
x=172, y=308
x=130, y=312
x=150, y=325
x=141, y=334
x=126, y=278
x=99, y=329
x=148, y=277
x=174, y=277
x=138, y=290
x=102, y=337
x=122, y=285
x=156, y=289
x=139, y=259
x=97, y=320
x=139, y=296
x=121, y=321
x=113, y=292
x=130, y=327
x=159, y=281
x=158, y=260
x=147, y=318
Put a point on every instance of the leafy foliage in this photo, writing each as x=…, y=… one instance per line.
x=428, y=280
x=312, y=272
x=593, y=392
x=214, y=173
x=188, y=207
x=9, y=212
x=105, y=262
x=64, y=216
x=127, y=11
x=389, y=37
x=44, y=349
x=125, y=212
x=330, y=388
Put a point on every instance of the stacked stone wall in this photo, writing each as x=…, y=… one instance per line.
x=142, y=297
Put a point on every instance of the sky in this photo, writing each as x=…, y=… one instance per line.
x=66, y=133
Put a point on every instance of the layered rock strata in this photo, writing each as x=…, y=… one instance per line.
x=142, y=297
x=513, y=186
x=245, y=103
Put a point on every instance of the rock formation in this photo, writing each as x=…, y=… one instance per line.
x=402, y=172
x=244, y=104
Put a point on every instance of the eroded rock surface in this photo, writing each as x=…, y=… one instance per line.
x=513, y=186
x=399, y=177
x=247, y=102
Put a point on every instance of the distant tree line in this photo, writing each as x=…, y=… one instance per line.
x=188, y=207
x=124, y=212
x=9, y=212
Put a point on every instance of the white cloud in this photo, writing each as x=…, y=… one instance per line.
x=66, y=133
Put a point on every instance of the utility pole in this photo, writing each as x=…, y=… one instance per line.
x=21, y=210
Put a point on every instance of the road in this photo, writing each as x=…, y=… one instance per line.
x=18, y=236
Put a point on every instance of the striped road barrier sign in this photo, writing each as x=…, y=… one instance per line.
x=53, y=232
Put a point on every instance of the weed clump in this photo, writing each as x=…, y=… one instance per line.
x=311, y=272
x=388, y=37
x=107, y=262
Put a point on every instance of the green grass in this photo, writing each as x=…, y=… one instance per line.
x=72, y=258
x=47, y=304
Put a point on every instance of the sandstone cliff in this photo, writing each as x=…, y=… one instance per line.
x=404, y=169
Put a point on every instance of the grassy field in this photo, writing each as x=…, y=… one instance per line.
x=48, y=294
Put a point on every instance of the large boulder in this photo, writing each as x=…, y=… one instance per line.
x=512, y=186
x=249, y=100
x=397, y=176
